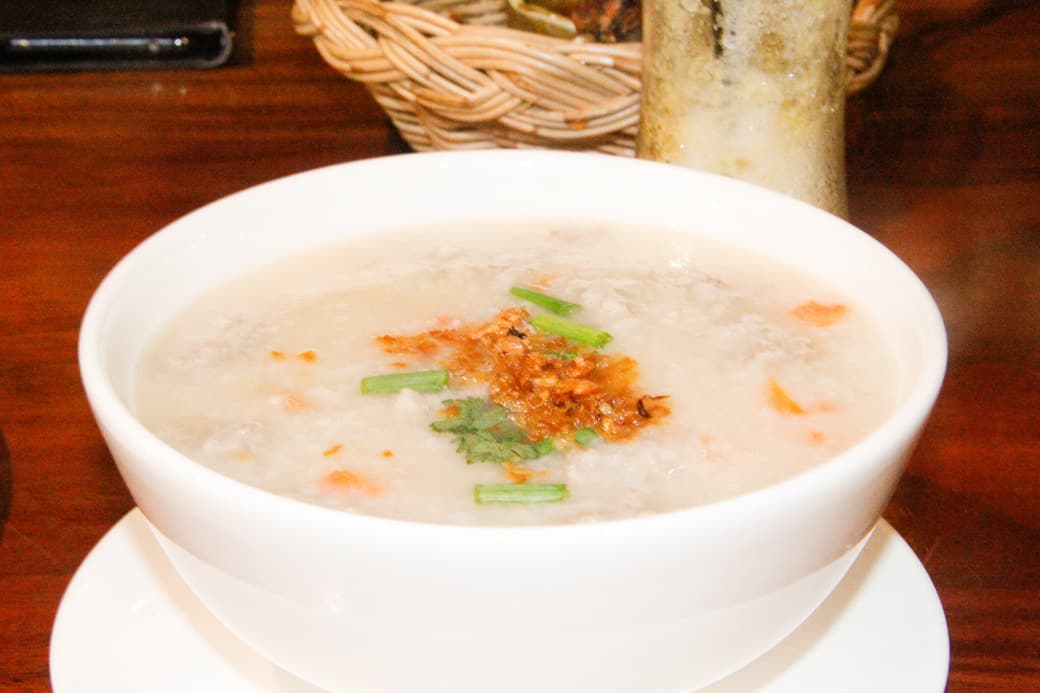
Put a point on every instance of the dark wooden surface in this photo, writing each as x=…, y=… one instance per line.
x=944, y=168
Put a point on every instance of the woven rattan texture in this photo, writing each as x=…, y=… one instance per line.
x=451, y=75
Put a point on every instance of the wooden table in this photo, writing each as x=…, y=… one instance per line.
x=944, y=168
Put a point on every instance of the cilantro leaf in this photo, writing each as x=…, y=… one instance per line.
x=484, y=432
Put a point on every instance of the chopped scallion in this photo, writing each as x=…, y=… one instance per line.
x=420, y=381
x=585, y=436
x=520, y=493
x=575, y=331
x=545, y=446
x=550, y=303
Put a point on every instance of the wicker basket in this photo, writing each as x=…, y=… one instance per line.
x=451, y=75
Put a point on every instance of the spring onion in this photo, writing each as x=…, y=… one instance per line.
x=520, y=493
x=420, y=381
x=550, y=303
x=585, y=436
x=575, y=331
x=545, y=446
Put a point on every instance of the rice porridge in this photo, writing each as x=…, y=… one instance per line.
x=537, y=374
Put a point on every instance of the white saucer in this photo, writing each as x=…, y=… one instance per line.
x=127, y=624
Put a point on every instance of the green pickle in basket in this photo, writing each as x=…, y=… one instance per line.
x=599, y=20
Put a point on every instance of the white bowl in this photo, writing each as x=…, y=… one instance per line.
x=362, y=604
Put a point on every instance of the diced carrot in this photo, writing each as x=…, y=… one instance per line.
x=309, y=356
x=329, y=452
x=345, y=480
x=781, y=401
x=399, y=364
x=819, y=314
x=519, y=475
x=277, y=355
x=294, y=402
x=388, y=453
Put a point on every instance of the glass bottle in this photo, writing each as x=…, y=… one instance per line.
x=753, y=89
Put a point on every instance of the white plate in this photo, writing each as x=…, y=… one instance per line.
x=127, y=624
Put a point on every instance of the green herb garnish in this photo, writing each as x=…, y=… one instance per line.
x=420, y=381
x=550, y=303
x=585, y=436
x=485, y=433
x=545, y=446
x=520, y=493
x=575, y=331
